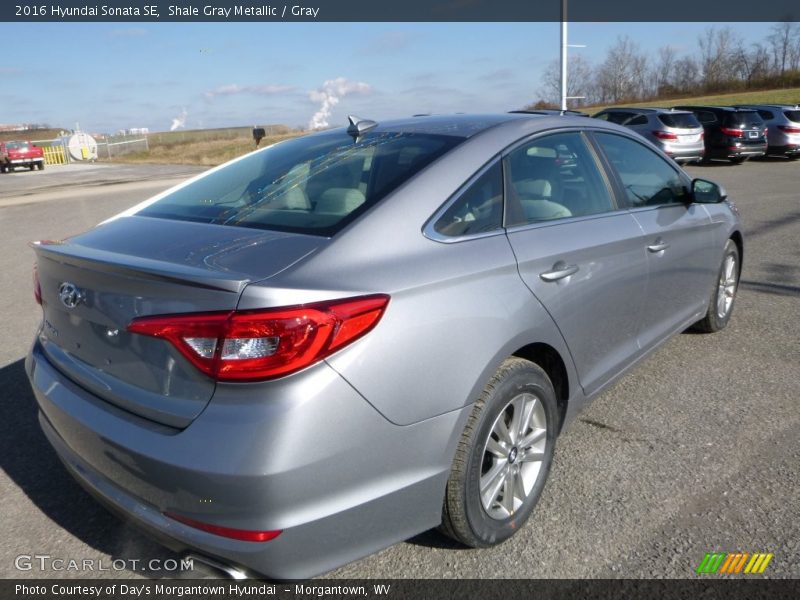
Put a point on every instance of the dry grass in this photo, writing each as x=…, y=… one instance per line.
x=203, y=147
x=32, y=135
x=207, y=153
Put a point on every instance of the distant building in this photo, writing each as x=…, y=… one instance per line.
x=134, y=131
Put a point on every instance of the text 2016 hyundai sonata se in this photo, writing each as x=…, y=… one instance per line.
x=340, y=341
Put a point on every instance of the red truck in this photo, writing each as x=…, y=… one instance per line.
x=20, y=154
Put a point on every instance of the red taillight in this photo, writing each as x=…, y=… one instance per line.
x=245, y=535
x=732, y=132
x=666, y=135
x=37, y=287
x=789, y=129
x=264, y=344
x=766, y=130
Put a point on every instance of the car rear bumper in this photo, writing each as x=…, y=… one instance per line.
x=315, y=461
x=685, y=156
x=787, y=150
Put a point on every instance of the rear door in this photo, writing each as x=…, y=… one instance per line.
x=677, y=236
x=577, y=252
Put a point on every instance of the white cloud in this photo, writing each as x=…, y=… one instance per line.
x=232, y=89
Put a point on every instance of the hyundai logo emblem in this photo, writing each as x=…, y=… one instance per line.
x=70, y=295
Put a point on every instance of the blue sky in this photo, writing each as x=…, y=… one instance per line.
x=109, y=76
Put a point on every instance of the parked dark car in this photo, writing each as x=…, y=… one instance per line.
x=783, y=123
x=677, y=132
x=733, y=134
x=340, y=341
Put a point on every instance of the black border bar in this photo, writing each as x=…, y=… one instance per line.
x=710, y=11
x=699, y=588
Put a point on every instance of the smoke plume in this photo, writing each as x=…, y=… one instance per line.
x=179, y=121
x=329, y=95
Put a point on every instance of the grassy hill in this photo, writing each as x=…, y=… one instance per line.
x=781, y=96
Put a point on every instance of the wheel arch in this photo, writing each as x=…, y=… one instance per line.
x=549, y=359
x=736, y=236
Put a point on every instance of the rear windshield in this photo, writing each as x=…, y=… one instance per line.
x=315, y=184
x=743, y=118
x=680, y=120
x=792, y=115
x=17, y=145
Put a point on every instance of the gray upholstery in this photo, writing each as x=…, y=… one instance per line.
x=339, y=201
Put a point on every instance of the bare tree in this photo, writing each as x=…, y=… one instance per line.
x=686, y=74
x=752, y=64
x=784, y=43
x=717, y=55
x=623, y=74
x=663, y=71
x=579, y=80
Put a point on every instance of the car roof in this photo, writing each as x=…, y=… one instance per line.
x=469, y=125
x=460, y=125
x=789, y=106
x=715, y=107
x=646, y=110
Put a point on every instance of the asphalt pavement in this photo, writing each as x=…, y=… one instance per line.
x=696, y=450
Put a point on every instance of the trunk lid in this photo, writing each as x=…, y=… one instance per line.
x=93, y=285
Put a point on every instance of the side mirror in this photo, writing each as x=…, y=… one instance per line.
x=707, y=192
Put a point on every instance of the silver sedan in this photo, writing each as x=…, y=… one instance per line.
x=340, y=341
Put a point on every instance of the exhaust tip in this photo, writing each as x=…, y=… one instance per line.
x=228, y=570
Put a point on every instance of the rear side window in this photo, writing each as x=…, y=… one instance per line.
x=638, y=120
x=706, y=116
x=478, y=209
x=554, y=177
x=648, y=179
x=615, y=117
x=315, y=184
x=792, y=115
x=766, y=114
x=679, y=120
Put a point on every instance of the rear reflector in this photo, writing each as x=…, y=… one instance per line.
x=265, y=344
x=244, y=535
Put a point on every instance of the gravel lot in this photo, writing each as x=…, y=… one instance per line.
x=694, y=451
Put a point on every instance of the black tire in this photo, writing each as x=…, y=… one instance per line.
x=717, y=319
x=40, y=166
x=464, y=515
x=794, y=156
x=738, y=160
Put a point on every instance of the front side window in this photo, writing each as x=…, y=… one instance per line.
x=315, y=184
x=478, y=209
x=554, y=177
x=648, y=179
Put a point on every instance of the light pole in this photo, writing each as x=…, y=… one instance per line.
x=564, y=46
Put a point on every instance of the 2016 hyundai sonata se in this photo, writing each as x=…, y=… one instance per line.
x=340, y=341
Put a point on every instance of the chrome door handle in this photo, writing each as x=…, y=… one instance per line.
x=658, y=247
x=559, y=272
